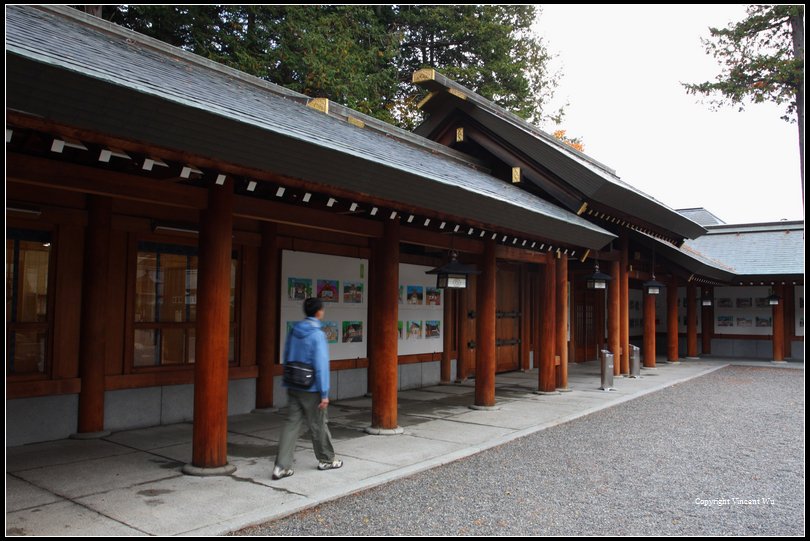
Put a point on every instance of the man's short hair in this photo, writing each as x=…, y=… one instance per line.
x=312, y=306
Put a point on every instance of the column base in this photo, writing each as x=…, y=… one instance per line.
x=384, y=431
x=265, y=410
x=673, y=362
x=446, y=383
x=693, y=358
x=90, y=435
x=483, y=408
x=778, y=362
x=564, y=389
x=189, y=469
x=547, y=392
x=649, y=368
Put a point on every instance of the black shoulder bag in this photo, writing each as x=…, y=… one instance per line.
x=298, y=374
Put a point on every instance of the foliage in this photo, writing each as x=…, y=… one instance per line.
x=364, y=56
x=573, y=142
x=758, y=59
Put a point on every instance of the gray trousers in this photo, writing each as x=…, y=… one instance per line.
x=303, y=407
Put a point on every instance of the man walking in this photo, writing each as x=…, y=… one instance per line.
x=307, y=344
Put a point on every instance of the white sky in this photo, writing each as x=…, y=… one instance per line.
x=622, y=67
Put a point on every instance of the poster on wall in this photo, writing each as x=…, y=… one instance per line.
x=743, y=310
x=340, y=282
x=421, y=311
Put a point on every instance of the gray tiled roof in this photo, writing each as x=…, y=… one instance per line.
x=88, y=73
x=756, y=249
x=702, y=216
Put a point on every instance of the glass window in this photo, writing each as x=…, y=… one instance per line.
x=27, y=326
x=166, y=305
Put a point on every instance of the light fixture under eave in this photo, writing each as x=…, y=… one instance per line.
x=773, y=299
x=598, y=280
x=706, y=301
x=453, y=275
x=653, y=287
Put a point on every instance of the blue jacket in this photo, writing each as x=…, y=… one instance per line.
x=307, y=344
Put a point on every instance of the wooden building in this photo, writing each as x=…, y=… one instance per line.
x=166, y=215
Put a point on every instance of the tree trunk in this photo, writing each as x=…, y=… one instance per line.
x=797, y=32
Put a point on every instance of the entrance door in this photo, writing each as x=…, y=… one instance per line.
x=588, y=321
x=507, y=327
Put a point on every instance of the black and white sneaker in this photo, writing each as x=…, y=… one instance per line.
x=335, y=464
x=281, y=473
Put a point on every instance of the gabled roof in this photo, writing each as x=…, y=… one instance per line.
x=595, y=181
x=77, y=70
x=766, y=249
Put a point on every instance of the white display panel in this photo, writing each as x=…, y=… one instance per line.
x=342, y=283
x=742, y=310
x=421, y=311
x=636, y=312
x=798, y=303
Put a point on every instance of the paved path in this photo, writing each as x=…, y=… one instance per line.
x=720, y=455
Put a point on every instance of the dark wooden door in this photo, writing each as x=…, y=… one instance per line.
x=507, y=327
x=588, y=320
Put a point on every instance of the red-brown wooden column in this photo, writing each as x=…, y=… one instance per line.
x=383, y=332
x=485, y=350
x=691, y=321
x=463, y=332
x=649, y=331
x=546, y=382
x=93, y=320
x=672, y=321
x=624, y=303
x=210, y=439
x=707, y=323
x=779, y=325
x=525, y=318
x=447, y=337
x=267, y=350
x=614, y=316
x=562, y=320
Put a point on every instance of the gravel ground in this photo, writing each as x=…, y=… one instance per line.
x=718, y=455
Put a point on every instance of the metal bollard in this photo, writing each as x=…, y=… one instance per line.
x=635, y=361
x=607, y=370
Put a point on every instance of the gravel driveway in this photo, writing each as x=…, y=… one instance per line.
x=718, y=455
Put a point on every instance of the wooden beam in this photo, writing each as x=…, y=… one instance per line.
x=510, y=253
x=420, y=237
x=778, y=336
x=624, y=304
x=80, y=178
x=546, y=377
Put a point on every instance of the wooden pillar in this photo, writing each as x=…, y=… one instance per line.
x=707, y=323
x=383, y=342
x=93, y=316
x=779, y=325
x=614, y=316
x=672, y=321
x=447, y=337
x=525, y=318
x=464, y=335
x=691, y=321
x=267, y=345
x=210, y=439
x=562, y=319
x=624, y=303
x=546, y=382
x=649, y=331
x=486, y=351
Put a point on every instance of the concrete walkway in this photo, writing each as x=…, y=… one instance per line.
x=130, y=483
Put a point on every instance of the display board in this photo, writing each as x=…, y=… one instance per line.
x=342, y=283
x=636, y=312
x=742, y=310
x=421, y=311
x=798, y=303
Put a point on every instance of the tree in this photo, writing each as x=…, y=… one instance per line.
x=364, y=56
x=763, y=60
x=573, y=142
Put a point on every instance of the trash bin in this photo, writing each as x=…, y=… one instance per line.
x=607, y=370
x=635, y=361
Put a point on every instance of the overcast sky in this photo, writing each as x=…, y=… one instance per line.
x=622, y=68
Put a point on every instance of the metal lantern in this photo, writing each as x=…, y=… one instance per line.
x=706, y=301
x=653, y=287
x=598, y=280
x=453, y=275
x=773, y=299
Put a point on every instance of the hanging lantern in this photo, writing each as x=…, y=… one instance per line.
x=453, y=275
x=598, y=280
x=653, y=287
